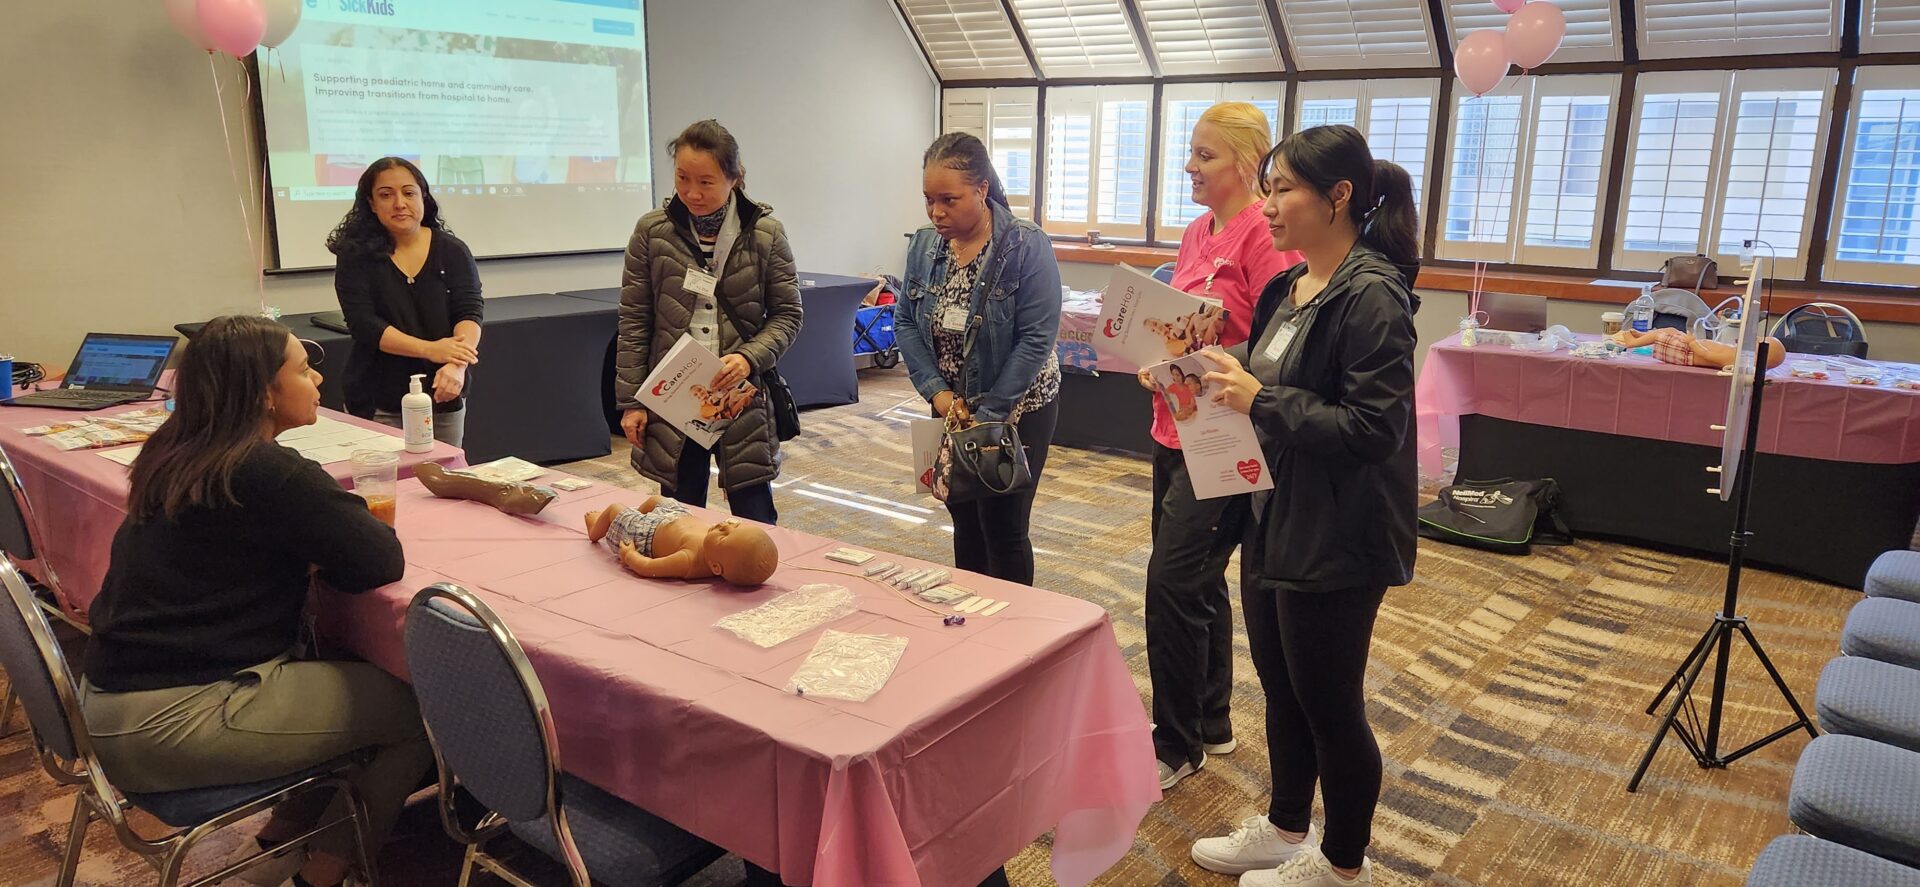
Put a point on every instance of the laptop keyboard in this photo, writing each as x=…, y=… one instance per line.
x=76, y=395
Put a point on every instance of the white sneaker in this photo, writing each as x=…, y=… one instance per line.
x=1307, y=869
x=1170, y=777
x=1222, y=748
x=1256, y=844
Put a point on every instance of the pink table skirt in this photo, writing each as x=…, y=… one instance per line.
x=1074, y=345
x=1639, y=396
x=986, y=736
x=80, y=498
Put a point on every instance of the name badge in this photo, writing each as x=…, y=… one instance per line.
x=699, y=282
x=954, y=319
x=1277, y=346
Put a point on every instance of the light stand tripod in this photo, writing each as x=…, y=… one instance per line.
x=1717, y=643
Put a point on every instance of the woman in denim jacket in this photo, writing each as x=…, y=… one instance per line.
x=979, y=277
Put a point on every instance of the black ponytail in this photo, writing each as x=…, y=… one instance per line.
x=965, y=152
x=1381, y=208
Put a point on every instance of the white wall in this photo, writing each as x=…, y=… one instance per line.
x=119, y=210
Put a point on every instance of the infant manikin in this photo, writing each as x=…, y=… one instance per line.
x=662, y=539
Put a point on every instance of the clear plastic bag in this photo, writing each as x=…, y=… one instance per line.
x=848, y=666
x=1553, y=338
x=790, y=615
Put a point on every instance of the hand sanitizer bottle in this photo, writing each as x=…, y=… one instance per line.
x=416, y=417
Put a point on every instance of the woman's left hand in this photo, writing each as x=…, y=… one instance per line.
x=448, y=382
x=1237, y=386
x=733, y=369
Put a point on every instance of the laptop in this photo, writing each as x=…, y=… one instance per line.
x=1514, y=313
x=111, y=369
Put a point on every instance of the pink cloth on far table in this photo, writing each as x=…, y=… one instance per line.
x=1639, y=396
x=986, y=736
x=1078, y=317
x=80, y=498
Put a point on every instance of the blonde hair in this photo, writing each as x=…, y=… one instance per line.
x=1248, y=136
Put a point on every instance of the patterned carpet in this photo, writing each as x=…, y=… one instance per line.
x=1507, y=692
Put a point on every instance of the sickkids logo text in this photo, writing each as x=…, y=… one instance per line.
x=368, y=7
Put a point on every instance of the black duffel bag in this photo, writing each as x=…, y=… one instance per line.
x=1503, y=515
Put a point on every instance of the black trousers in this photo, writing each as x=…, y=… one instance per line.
x=992, y=536
x=753, y=503
x=1189, y=613
x=1310, y=649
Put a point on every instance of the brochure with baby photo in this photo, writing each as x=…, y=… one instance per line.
x=1144, y=322
x=681, y=393
x=1223, y=456
x=925, y=437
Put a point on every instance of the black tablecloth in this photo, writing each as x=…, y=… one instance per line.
x=819, y=366
x=1108, y=411
x=1815, y=517
x=532, y=395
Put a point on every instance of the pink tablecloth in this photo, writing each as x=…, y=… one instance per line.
x=80, y=498
x=986, y=736
x=1639, y=396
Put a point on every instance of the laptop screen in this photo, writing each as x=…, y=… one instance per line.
x=119, y=362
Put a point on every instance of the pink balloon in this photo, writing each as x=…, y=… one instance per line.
x=1481, y=61
x=186, y=19
x=1534, y=33
x=232, y=26
x=1508, y=6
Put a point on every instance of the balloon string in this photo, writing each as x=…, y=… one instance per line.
x=233, y=169
x=260, y=250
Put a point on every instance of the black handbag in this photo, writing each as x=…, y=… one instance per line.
x=1504, y=515
x=786, y=414
x=1691, y=273
x=981, y=461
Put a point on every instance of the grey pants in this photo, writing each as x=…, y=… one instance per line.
x=275, y=718
x=448, y=428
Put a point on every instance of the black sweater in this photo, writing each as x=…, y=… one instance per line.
x=193, y=600
x=374, y=295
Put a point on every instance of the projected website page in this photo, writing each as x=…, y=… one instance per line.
x=528, y=118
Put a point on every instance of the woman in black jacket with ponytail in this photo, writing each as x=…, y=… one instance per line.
x=1327, y=378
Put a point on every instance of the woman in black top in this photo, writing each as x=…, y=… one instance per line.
x=411, y=294
x=190, y=680
x=1327, y=378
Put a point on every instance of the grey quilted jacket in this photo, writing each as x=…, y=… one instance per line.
x=757, y=280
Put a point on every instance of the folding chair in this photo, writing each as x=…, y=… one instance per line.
x=493, y=735
x=47, y=690
x=16, y=544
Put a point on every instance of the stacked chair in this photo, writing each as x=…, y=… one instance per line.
x=1856, y=790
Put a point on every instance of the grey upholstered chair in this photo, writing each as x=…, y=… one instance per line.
x=493, y=737
x=1802, y=860
x=1859, y=793
x=38, y=672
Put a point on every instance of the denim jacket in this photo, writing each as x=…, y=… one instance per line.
x=1013, y=319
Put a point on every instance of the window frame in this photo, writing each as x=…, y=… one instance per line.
x=1093, y=97
x=1729, y=85
x=1364, y=92
x=1836, y=269
x=1514, y=249
x=1170, y=160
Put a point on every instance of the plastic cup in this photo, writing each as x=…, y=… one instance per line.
x=1612, y=321
x=376, y=473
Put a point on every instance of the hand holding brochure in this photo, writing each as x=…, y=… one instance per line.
x=1145, y=322
x=1223, y=456
x=680, y=393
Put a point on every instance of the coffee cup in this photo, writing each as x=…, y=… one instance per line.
x=1612, y=321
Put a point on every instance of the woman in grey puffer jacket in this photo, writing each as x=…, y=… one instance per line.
x=709, y=243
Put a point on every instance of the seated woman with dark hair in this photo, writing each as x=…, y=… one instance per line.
x=190, y=678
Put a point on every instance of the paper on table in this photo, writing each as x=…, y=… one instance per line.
x=678, y=392
x=510, y=469
x=1222, y=453
x=124, y=455
x=1144, y=321
x=327, y=441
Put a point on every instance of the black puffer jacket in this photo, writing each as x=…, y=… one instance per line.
x=757, y=279
x=1338, y=432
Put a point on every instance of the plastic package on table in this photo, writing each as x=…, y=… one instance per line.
x=790, y=615
x=848, y=666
